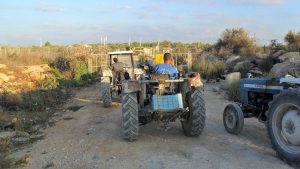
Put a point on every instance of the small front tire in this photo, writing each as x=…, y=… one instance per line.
x=233, y=118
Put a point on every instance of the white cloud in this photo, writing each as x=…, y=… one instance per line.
x=48, y=8
x=258, y=2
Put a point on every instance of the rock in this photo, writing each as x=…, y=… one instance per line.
x=232, y=59
x=25, y=159
x=95, y=158
x=242, y=65
x=4, y=77
x=11, y=77
x=68, y=117
x=20, y=141
x=230, y=79
x=38, y=136
x=281, y=69
x=10, y=72
x=290, y=56
x=278, y=53
x=48, y=165
x=36, y=128
x=209, y=56
x=3, y=66
x=37, y=68
x=35, y=76
x=7, y=134
x=22, y=134
x=216, y=89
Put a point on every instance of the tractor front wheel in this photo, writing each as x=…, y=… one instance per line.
x=105, y=94
x=130, y=116
x=194, y=122
x=283, y=124
x=233, y=118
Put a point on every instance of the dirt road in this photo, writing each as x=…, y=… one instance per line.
x=91, y=138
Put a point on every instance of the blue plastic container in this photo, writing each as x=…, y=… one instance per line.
x=167, y=102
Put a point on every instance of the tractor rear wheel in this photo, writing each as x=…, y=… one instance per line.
x=233, y=118
x=283, y=124
x=194, y=122
x=105, y=94
x=130, y=116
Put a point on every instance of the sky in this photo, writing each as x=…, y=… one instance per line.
x=64, y=22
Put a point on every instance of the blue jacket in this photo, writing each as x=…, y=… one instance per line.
x=165, y=69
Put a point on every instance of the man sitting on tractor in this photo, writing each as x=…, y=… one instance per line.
x=117, y=69
x=167, y=67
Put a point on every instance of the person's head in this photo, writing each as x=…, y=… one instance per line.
x=115, y=60
x=168, y=59
x=253, y=63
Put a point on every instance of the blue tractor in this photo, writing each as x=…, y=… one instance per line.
x=276, y=102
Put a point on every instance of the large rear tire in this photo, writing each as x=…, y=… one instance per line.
x=194, y=123
x=105, y=94
x=233, y=119
x=130, y=116
x=283, y=124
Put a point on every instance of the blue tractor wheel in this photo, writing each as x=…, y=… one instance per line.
x=233, y=118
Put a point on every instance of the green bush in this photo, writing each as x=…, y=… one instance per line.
x=209, y=69
x=267, y=63
x=41, y=99
x=49, y=82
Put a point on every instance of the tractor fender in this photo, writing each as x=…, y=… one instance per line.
x=131, y=86
x=106, y=75
x=106, y=72
x=195, y=80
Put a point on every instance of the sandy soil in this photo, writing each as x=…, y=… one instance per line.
x=91, y=138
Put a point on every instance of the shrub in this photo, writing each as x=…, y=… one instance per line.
x=236, y=41
x=41, y=99
x=234, y=91
x=209, y=69
x=49, y=82
x=267, y=63
x=293, y=40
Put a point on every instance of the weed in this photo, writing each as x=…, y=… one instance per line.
x=234, y=90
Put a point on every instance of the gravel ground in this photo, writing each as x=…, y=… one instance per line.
x=91, y=138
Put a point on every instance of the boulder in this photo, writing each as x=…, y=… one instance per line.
x=281, y=69
x=20, y=141
x=3, y=66
x=4, y=77
x=210, y=57
x=7, y=134
x=38, y=136
x=37, y=68
x=278, y=53
x=216, y=89
x=242, y=65
x=232, y=59
x=230, y=79
x=290, y=56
